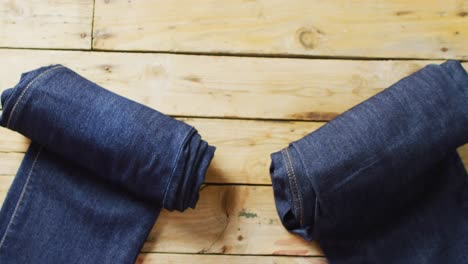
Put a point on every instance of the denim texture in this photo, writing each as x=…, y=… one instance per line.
x=382, y=182
x=99, y=169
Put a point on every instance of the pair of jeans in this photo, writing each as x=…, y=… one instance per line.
x=98, y=171
x=383, y=183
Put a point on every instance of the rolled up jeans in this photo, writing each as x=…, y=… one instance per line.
x=383, y=183
x=99, y=169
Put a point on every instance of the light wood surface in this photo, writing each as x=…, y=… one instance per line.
x=242, y=155
x=397, y=28
x=250, y=75
x=227, y=220
x=243, y=147
x=64, y=24
x=154, y=258
x=216, y=86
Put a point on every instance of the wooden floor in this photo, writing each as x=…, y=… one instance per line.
x=250, y=75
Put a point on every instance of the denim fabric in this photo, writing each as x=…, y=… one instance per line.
x=383, y=183
x=97, y=173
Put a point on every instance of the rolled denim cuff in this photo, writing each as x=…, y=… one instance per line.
x=189, y=173
x=295, y=198
x=373, y=159
x=99, y=170
x=152, y=155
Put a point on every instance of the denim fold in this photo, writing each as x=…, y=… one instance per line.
x=382, y=182
x=99, y=169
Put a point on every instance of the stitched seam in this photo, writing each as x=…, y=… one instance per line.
x=297, y=188
x=294, y=196
x=24, y=91
x=317, y=200
x=18, y=204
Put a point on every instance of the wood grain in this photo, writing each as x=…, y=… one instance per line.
x=64, y=24
x=153, y=258
x=390, y=29
x=232, y=223
x=243, y=147
x=212, y=86
x=242, y=154
x=227, y=219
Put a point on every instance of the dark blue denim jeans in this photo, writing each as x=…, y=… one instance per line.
x=383, y=183
x=97, y=173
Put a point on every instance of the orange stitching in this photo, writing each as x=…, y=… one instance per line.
x=289, y=180
x=297, y=187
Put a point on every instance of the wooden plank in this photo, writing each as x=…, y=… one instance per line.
x=403, y=29
x=227, y=220
x=64, y=24
x=157, y=258
x=243, y=147
x=10, y=163
x=242, y=155
x=212, y=86
x=5, y=183
x=11, y=141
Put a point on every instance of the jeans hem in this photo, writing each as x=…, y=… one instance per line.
x=294, y=205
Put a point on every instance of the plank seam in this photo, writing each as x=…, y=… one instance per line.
x=92, y=26
x=245, y=55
